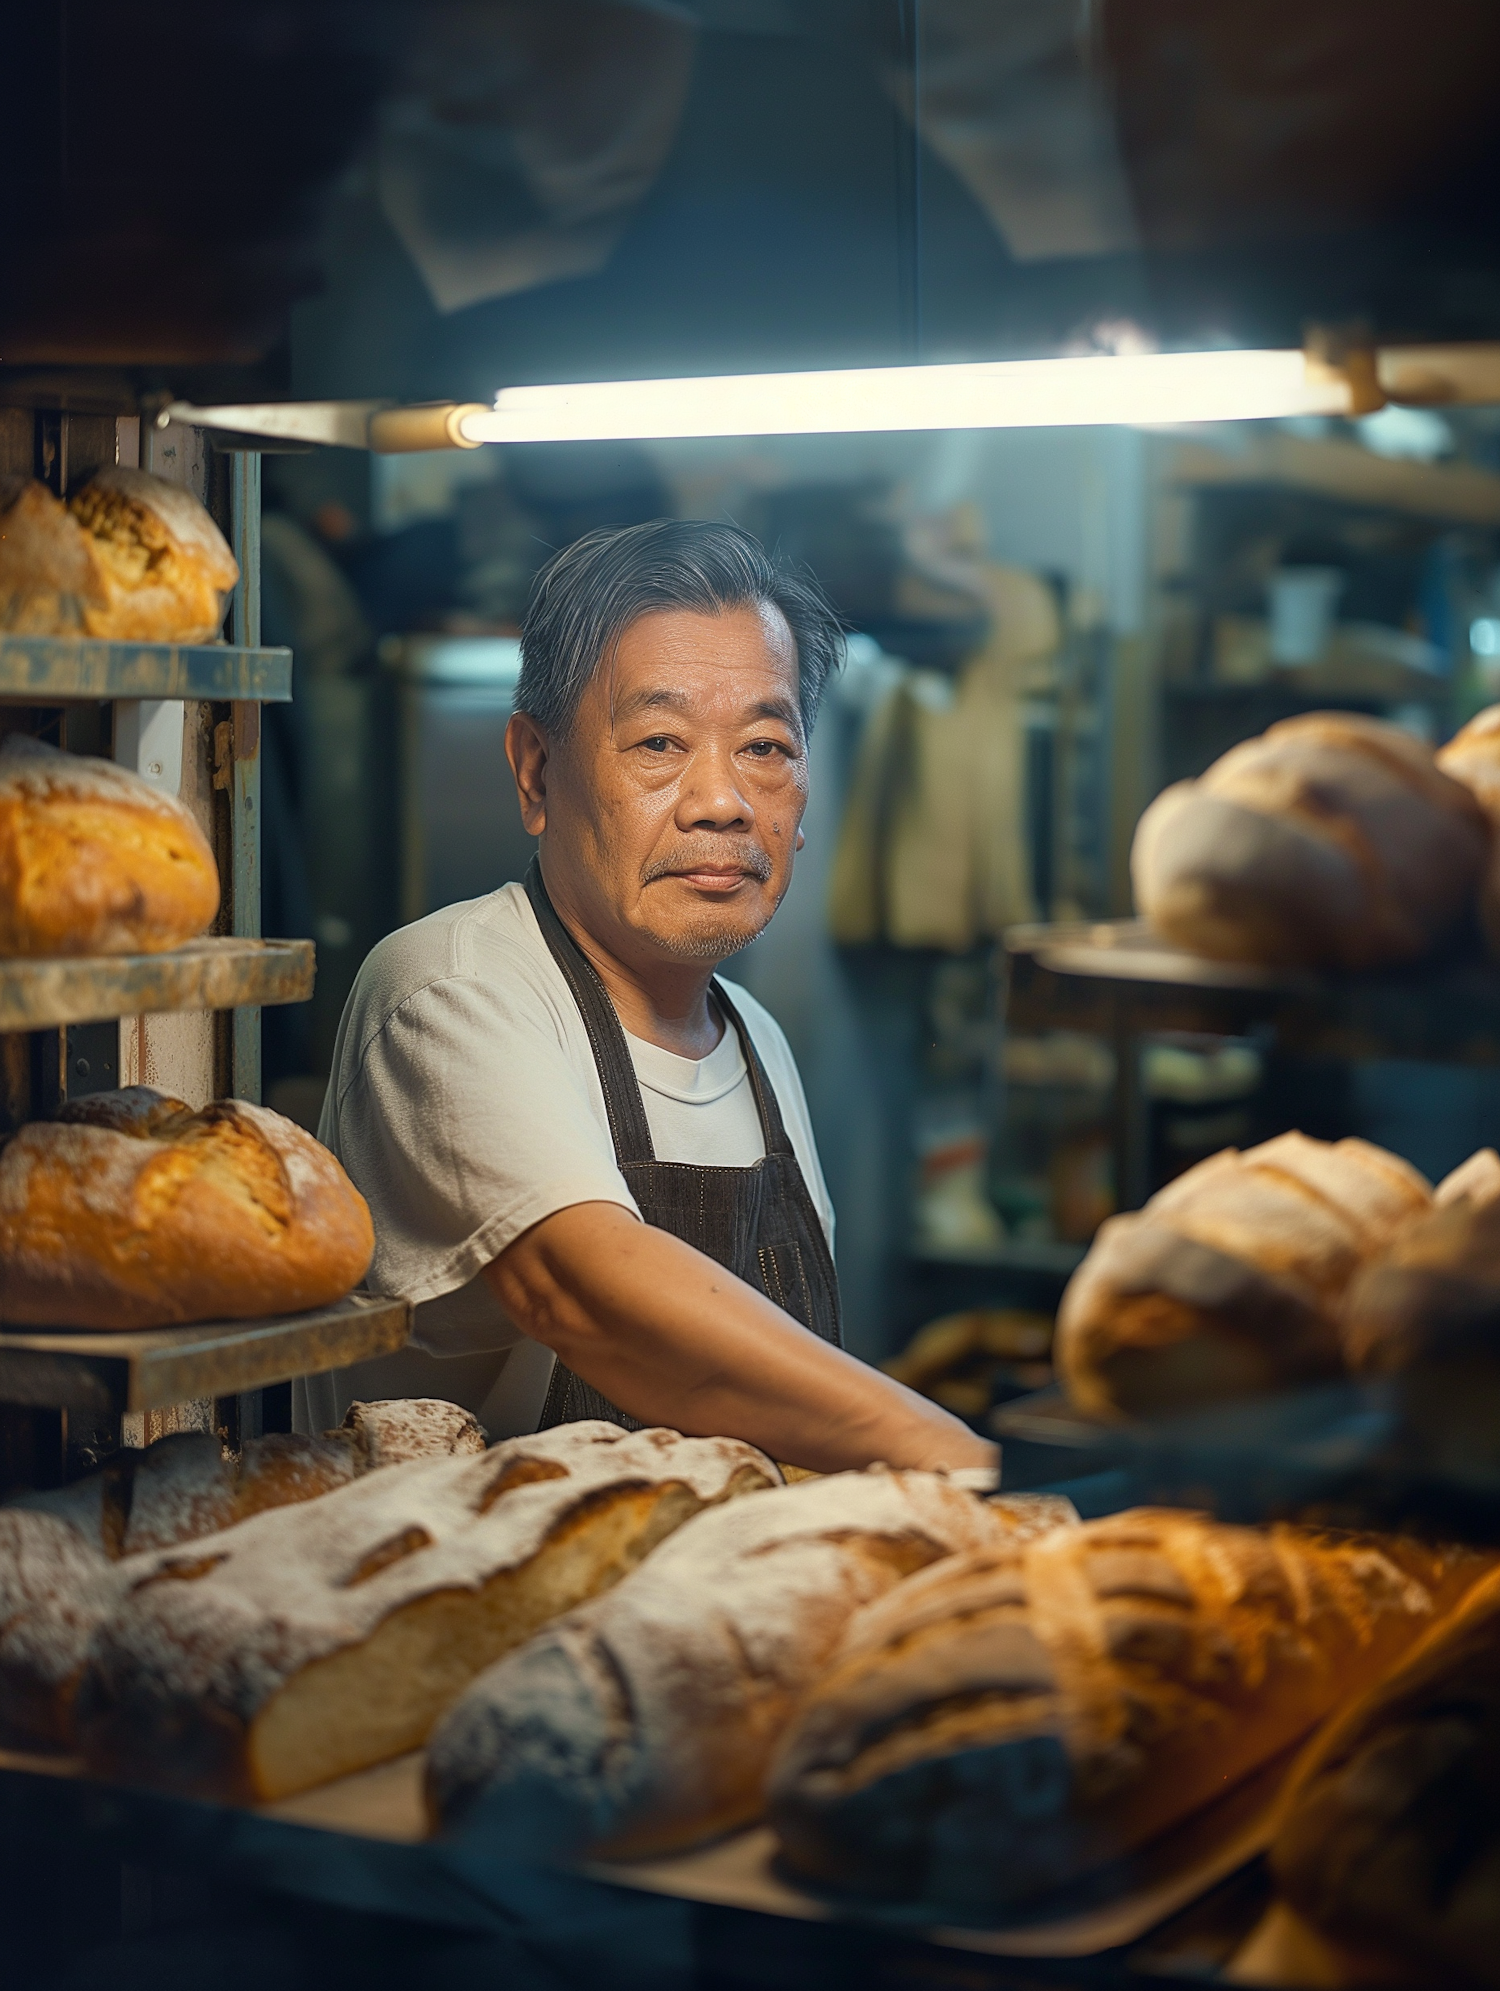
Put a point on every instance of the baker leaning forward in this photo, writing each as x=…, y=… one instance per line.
x=588, y=1158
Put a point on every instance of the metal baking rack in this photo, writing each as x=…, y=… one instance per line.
x=63, y=1393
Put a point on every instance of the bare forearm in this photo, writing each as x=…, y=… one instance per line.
x=674, y=1339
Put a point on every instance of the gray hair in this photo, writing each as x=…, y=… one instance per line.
x=587, y=596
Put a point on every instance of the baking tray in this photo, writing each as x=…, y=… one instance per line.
x=362, y=1842
x=103, y=1374
x=218, y=972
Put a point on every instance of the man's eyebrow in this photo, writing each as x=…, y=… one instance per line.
x=662, y=698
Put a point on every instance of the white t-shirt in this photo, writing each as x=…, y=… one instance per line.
x=466, y=1106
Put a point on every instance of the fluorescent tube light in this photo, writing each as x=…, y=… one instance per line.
x=1142, y=389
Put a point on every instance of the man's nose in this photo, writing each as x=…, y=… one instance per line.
x=710, y=797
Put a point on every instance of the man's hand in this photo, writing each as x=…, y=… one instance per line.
x=674, y=1339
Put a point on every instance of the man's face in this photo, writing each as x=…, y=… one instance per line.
x=671, y=810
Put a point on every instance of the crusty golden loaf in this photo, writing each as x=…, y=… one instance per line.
x=1390, y=1838
x=1232, y=1279
x=1472, y=756
x=1331, y=840
x=93, y=860
x=129, y=1210
x=646, y=1720
x=1009, y=1721
x=129, y=557
x=321, y=1639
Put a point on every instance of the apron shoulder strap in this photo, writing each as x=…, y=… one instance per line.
x=773, y=1127
x=628, y=1127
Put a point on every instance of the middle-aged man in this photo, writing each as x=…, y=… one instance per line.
x=589, y=1161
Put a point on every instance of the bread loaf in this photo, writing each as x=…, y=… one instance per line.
x=1330, y=841
x=646, y=1720
x=1472, y=756
x=68, y=1556
x=1012, y=1720
x=321, y=1639
x=130, y=557
x=93, y=860
x=1232, y=1279
x=130, y=1210
x=1390, y=1838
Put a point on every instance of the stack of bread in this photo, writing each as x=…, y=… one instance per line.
x=130, y=1210
x=129, y=556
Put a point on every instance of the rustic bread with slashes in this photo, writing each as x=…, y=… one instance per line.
x=129, y=557
x=646, y=1720
x=53, y=1598
x=1232, y=1279
x=94, y=860
x=1389, y=1841
x=1009, y=1721
x=130, y=1210
x=1332, y=840
x=322, y=1639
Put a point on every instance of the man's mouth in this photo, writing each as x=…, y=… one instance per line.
x=713, y=877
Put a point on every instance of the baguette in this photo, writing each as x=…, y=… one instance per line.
x=1389, y=1840
x=319, y=1640
x=646, y=1720
x=1232, y=1279
x=1012, y=1720
x=68, y=1556
x=1330, y=841
x=130, y=1210
x=94, y=860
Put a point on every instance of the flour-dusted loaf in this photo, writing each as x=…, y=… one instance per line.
x=130, y=1210
x=647, y=1719
x=1012, y=1720
x=129, y=556
x=94, y=860
x=1232, y=1279
x=321, y=1639
x=1472, y=756
x=1331, y=840
x=1389, y=1843
x=69, y=1556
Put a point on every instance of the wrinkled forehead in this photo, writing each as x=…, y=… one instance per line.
x=735, y=663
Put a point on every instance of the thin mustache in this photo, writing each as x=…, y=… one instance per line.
x=756, y=863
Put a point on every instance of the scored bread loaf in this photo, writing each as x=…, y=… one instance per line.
x=1232, y=1279
x=130, y=1210
x=1472, y=756
x=94, y=860
x=646, y=1720
x=1012, y=1720
x=1389, y=1839
x=322, y=1639
x=1331, y=840
x=68, y=1556
x=129, y=556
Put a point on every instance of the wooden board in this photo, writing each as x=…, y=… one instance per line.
x=104, y=1374
x=41, y=670
x=1126, y=950
x=217, y=972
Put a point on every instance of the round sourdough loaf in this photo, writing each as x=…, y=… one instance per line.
x=93, y=860
x=1472, y=756
x=130, y=557
x=1332, y=840
x=1232, y=1280
x=1008, y=1721
x=130, y=1210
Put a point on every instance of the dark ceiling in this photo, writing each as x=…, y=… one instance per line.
x=450, y=195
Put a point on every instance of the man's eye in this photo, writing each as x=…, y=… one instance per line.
x=762, y=749
x=657, y=744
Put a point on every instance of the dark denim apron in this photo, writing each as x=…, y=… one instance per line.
x=760, y=1222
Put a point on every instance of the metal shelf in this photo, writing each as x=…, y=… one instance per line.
x=103, y=1374
x=218, y=972
x=45, y=669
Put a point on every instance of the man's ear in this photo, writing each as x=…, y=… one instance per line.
x=526, y=750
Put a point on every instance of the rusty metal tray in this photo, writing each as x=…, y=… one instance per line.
x=105, y=1374
x=217, y=972
x=43, y=670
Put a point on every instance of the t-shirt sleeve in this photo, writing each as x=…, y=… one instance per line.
x=463, y=1124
